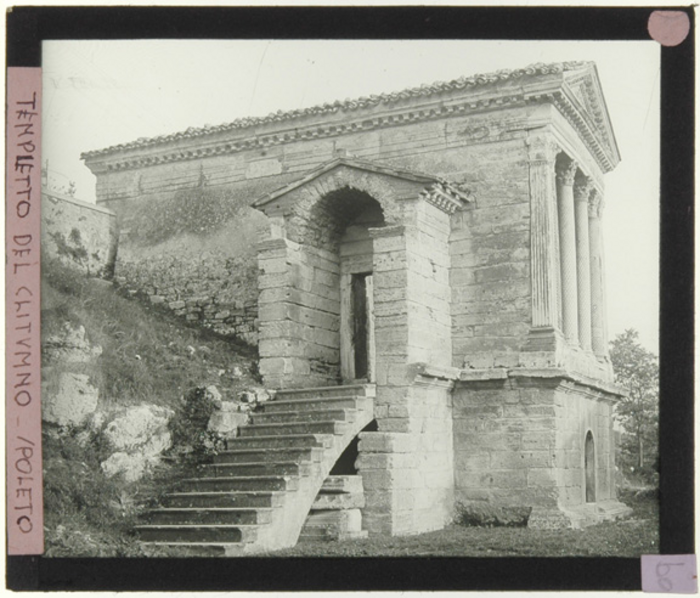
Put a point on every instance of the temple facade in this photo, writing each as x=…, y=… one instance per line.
x=442, y=246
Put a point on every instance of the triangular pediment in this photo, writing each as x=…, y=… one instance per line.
x=445, y=195
x=582, y=93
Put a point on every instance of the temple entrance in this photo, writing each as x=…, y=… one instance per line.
x=357, y=353
x=590, y=468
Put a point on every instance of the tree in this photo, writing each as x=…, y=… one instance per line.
x=637, y=371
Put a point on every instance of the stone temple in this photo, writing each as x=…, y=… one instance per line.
x=436, y=253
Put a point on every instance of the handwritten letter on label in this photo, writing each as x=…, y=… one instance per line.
x=669, y=573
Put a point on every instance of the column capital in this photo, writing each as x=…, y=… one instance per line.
x=566, y=173
x=583, y=186
x=595, y=204
x=542, y=148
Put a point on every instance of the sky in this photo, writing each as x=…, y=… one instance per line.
x=101, y=93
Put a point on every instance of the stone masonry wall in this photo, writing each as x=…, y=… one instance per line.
x=408, y=476
x=578, y=410
x=504, y=442
x=490, y=257
x=213, y=290
x=489, y=241
x=79, y=234
x=519, y=441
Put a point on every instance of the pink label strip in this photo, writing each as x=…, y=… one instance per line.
x=25, y=519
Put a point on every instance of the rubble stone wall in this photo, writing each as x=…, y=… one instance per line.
x=213, y=290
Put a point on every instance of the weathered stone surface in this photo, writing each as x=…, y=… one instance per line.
x=138, y=436
x=69, y=402
x=226, y=420
x=70, y=346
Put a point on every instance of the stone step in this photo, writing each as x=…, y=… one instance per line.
x=279, y=441
x=319, y=404
x=197, y=533
x=223, y=499
x=342, y=483
x=280, y=417
x=286, y=429
x=256, y=469
x=207, y=516
x=309, y=454
x=364, y=390
x=240, y=483
x=338, y=501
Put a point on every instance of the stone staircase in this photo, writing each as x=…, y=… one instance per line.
x=257, y=493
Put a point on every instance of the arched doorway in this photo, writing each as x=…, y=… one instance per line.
x=338, y=231
x=590, y=468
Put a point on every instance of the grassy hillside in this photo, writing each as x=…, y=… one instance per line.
x=147, y=357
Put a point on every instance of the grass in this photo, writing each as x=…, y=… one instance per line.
x=629, y=538
x=147, y=357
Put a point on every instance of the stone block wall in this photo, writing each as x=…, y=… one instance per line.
x=428, y=291
x=490, y=257
x=504, y=442
x=79, y=234
x=210, y=289
x=408, y=475
x=579, y=410
x=300, y=314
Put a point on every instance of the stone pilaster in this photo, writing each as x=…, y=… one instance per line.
x=544, y=232
x=582, y=191
x=567, y=247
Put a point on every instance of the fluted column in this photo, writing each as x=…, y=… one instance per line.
x=544, y=236
x=582, y=191
x=598, y=334
x=567, y=247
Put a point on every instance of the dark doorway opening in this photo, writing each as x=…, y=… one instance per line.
x=360, y=323
x=345, y=465
x=590, y=468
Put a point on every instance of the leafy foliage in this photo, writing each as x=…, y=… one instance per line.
x=189, y=426
x=637, y=371
x=197, y=210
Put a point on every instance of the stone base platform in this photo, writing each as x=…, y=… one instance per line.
x=577, y=517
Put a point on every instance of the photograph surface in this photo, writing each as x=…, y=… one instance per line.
x=350, y=298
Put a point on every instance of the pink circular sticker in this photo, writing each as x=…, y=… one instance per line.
x=668, y=27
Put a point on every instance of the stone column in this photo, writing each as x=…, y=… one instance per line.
x=582, y=191
x=543, y=237
x=567, y=246
x=598, y=337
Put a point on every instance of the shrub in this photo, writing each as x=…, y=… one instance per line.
x=485, y=515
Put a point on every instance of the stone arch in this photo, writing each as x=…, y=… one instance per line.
x=589, y=467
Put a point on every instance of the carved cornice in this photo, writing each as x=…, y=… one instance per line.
x=161, y=151
x=445, y=196
x=566, y=173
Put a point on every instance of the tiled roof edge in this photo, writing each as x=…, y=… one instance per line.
x=348, y=105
